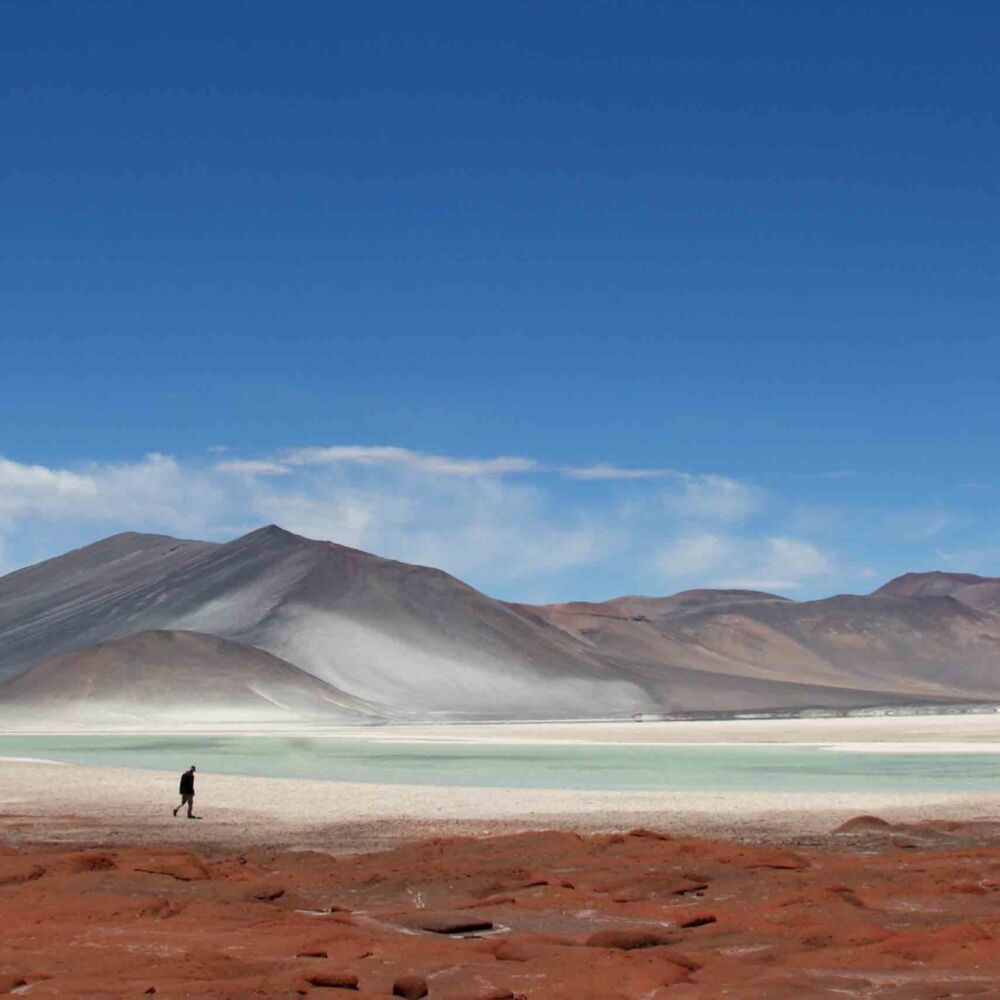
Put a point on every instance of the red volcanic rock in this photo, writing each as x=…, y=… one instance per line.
x=91, y=861
x=681, y=960
x=823, y=920
x=529, y=949
x=10, y=983
x=964, y=945
x=864, y=824
x=630, y=939
x=332, y=979
x=410, y=987
x=649, y=834
x=498, y=900
x=182, y=866
x=973, y=888
x=778, y=859
x=845, y=894
x=630, y=894
x=267, y=893
x=628, y=888
x=445, y=923
x=14, y=871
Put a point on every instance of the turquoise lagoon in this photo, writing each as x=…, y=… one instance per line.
x=735, y=768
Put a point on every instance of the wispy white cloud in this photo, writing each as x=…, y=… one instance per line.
x=694, y=554
x=713, y=559
x=155, y=490
x=466, y=525
x=713, y=498
x=390, y=455
x=696, y=496
x=780, y=564
x=253, y=467
x=983, y=559
x=37, y=488
x=508, y=524
x=464, y=515
x=911, y=525
x=603, y=470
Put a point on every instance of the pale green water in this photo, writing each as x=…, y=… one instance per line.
x=680, y=768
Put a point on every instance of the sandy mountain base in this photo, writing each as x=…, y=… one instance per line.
x=161, y=675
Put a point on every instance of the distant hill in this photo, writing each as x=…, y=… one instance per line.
x=929, y=648
x=981, y=592
x=402, y=641
x=181, y=677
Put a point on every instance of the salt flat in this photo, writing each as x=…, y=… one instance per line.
x=955, y=730
x=933, y=732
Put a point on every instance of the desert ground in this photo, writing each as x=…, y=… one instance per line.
x=288, y=888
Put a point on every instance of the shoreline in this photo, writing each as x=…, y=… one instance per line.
x=59, y=803
x=967, y=733
x=894, y=730
x=67, y=802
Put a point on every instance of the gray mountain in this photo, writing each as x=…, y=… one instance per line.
x=411, y=639
x=413, y=642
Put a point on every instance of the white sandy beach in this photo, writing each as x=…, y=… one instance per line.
x=46, y=801
x=59, y=803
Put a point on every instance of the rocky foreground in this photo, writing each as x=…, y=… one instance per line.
x=873, y=910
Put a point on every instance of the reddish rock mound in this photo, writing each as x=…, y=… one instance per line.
x=863, y=824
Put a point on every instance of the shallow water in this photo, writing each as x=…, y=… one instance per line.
x=679, y=768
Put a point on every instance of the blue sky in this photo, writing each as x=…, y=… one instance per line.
x=748, y=249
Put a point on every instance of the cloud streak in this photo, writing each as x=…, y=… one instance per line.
x=434, y=464
x=253, y=467
x=422, y=461
x=604, y=471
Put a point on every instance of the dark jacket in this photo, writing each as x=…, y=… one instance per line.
x=187, y=783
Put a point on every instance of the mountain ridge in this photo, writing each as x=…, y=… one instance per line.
x=981, y=592
x=416, y=642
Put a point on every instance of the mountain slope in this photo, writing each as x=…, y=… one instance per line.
x=413, y=642
x=107, y=589
x=905, y=648
x=413, y=639
x=171, y=678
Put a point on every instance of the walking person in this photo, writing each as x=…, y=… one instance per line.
x=187, y=792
